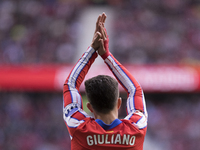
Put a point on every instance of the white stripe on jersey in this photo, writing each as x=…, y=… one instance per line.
x=130, y=100
x=144, y=104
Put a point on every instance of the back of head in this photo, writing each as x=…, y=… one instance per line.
x=102, y=92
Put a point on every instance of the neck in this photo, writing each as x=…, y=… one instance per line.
x=107, y=118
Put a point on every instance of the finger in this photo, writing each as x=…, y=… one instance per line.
x=98, y=35
x=103, y=33
x=103, y=18
x=97, y=23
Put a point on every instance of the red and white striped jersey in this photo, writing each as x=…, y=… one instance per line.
x=88, y=133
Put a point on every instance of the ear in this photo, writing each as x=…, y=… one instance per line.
x=119, y=102
x=89, y=106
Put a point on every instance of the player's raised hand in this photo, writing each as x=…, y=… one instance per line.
x=104, y=42
x=100, y=40
x=100, y=20
x=102, y=50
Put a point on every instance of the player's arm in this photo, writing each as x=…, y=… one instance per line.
x=73, y=113
x=136, y=101
x=71, y=93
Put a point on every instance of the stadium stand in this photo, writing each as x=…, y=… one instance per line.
x=156, y=32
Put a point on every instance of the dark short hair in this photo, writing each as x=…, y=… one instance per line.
x=102, y=92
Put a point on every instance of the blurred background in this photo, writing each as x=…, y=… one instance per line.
x=40, y=41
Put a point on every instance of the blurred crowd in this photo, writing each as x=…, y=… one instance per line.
x=157, y=32
x=173, y=121
x=38, y=31
x=34, y=121
x=46, y=31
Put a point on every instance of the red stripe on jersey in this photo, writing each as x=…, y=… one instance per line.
x=67, y=96
x=138, y=102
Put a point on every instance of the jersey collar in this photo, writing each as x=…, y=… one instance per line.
x=115, y=123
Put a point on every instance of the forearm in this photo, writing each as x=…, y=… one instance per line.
x=77, y=76
x=135, y=99
x=123, y=76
